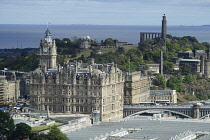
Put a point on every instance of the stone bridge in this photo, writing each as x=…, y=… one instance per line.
x=191, y=111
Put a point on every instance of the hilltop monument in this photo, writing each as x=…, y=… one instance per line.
x=163, y=39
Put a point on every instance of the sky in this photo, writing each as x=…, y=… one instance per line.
x=105, y=12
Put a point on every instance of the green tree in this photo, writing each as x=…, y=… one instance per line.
x=175, y=83
x=145, y=67
x=109, y=42
x=121, y=50
x=22, y=131
x=186, y=69
x=188, y=78
x=168, y=67
x=6, y=125
x=160, y=81
x=56, y=134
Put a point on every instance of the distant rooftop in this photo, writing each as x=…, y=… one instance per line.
x=190, y=60
x=197, y=51
x=163, y=92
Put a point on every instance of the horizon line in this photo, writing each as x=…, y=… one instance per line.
x=97, y=24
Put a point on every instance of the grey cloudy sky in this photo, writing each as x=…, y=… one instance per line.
x=105, y=12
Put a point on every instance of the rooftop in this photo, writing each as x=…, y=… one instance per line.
x=162, y=129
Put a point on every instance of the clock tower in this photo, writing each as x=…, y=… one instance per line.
x=47, y=52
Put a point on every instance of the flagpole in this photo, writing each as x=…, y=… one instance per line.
x=48, y=24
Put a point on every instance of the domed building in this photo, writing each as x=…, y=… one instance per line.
x=85, y=42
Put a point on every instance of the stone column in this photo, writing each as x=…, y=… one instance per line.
x=141, y=37
x=202, y=65
x=161, y=62
x=196, y=111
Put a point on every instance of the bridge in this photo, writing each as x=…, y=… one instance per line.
x=194, y=111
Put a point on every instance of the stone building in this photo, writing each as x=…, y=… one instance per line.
x=9, y=90
x=163, y=96
x=136, y=88
x=194, y=63
x=199, y=60
x=76, y=87
x=192, y=54
x=85, y=42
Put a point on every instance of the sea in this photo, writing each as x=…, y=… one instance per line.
x=29, y=36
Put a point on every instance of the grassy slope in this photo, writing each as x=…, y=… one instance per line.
x=43, y=127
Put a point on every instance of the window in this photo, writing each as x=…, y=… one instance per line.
x=81, y=108
x=77, y=108
x=112, y=106
x=45, y=107
x=93, y=101
x=85, y=108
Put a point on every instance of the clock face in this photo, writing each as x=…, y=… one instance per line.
x=45, y=49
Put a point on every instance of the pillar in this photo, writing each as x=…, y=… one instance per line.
x=196, y=111
x=202, y=65
x=141, y=37
x=161, y=62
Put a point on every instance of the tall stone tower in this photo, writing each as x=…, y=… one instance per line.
x=164, y=28
x=163, y=38
x=47, y=52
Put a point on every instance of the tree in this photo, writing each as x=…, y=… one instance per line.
x=145, y=67
x=168, y=67
x=109, y=42
x=160, y=81
x=56, y=134
x=22, y=131
x=121, y=50
x=186, y=69
x=188, y=78
x=6, y=125
x=175, y=83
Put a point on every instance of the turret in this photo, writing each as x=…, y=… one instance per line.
x=48, y=36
